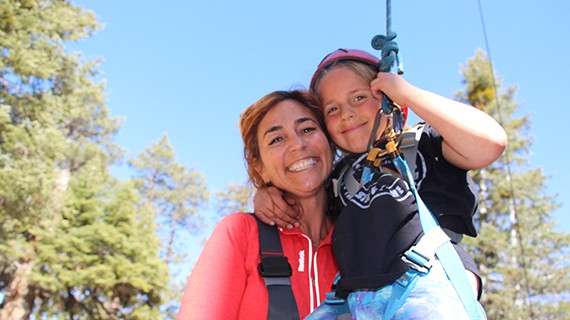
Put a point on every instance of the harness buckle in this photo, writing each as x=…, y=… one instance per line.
x=420, y=256
x=331, y=299
x=417, y=261
x=274, y=266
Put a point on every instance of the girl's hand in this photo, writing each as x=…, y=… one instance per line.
x=273, y=207
x=392, y=85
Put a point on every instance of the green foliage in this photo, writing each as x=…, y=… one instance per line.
x=74, y=242
x=103, y=255
x=174, y=194
x=236, y=198
x=524, y=262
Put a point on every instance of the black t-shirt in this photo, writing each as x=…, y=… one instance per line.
x=381, y=220
x=448, y=191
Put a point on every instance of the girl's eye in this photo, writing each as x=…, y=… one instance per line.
x=359, y=98
x=331, y=110
x=275, y=140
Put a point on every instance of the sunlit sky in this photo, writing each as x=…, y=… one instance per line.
x=188, y=68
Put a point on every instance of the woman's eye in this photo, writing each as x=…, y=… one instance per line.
x=308, y=129
x=275, y=140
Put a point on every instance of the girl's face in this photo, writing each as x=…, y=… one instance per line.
x=295, y=153
x=349, y=108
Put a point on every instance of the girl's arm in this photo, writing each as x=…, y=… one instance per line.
x=471, y=138
x=273, y=207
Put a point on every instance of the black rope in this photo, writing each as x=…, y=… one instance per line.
x=508, y=166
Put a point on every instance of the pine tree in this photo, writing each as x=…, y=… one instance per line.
x=523, y=260
x=236, y=198
x=103, y=261
x=174, y=194
x=66, y=243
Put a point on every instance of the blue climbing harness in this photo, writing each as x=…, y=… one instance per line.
x=420, y=257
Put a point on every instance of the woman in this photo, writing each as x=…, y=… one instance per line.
x=285, y=146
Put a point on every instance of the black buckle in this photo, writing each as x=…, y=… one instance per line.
x=275, y=266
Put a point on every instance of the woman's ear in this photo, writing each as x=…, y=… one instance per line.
x=261, y=172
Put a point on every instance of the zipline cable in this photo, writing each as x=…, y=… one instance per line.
x=514, y=219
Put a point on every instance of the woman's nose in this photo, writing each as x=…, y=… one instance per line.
x=297, y=142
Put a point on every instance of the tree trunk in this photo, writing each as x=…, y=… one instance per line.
x=19, y=297
x=170, y=241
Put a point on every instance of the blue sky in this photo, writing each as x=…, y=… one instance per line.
x=188, y=68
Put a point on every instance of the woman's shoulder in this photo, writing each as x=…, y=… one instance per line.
x=237, y=220
x=236, y=229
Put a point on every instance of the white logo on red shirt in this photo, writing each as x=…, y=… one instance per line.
x=301, y=261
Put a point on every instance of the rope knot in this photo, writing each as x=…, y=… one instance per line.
x=388, y=48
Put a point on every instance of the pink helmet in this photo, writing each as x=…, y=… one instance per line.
x=350, y=54
x=345, y=54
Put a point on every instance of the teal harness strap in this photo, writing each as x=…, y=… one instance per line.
x=340, y=305
x=401, y=289
x=445, y=253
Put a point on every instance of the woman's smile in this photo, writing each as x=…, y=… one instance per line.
x=302, y=164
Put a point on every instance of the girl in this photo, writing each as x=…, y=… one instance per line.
x=380, y=222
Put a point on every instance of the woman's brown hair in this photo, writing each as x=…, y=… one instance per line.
x=252, y=116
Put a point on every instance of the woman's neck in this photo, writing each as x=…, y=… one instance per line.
x=314, y=222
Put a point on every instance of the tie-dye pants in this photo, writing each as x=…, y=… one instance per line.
x=432, y=297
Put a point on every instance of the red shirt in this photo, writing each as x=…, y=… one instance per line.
x=225, y=282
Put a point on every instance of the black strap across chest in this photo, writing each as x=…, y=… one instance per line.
x=276, y=271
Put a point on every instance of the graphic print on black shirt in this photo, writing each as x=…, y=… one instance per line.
x=380, y=222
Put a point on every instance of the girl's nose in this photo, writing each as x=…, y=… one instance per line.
x=346, y=113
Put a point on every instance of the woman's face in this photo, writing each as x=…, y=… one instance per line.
x=295, y=153
x=349, y=109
